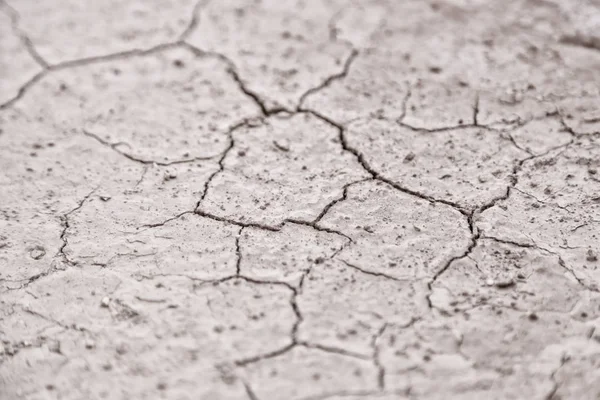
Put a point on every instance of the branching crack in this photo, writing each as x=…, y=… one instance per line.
x=294, y=340
x=475, y=232
x=85, y=61
x=372, y=172
x=233, y=72
x=318, y=227
x=221, y=161
x=340, y=199
x=441, y=271
x=327, y=82
x=298, y=343
x=195, y=20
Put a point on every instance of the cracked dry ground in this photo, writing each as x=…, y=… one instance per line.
x=299, y=199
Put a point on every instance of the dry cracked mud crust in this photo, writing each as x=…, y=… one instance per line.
x=300, y=199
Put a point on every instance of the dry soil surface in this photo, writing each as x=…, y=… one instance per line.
x=299, y=199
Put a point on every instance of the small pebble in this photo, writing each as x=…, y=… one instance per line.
x=533, y=316
x=505, y=284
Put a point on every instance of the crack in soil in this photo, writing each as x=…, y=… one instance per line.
x=470, y=215
x=115, y=147
x=25, y=40
x=66, y=226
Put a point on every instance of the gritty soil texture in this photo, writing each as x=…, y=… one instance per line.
x=300, y=199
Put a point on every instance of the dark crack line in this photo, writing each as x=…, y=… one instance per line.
x=294, y=340
x=341, y=133
x=317, y=227
x=45, y=318
x=268, y=227
x=441, y=271
x=115, y=147
x=264, y=108
x=224, y=154
x=251, y=360
x=249, y=391
x=332, y=78
x=238, y=253
x=333, y=350
x=515, y=178
x=298, y=314
x=240, y=277
x=23, y=89
x=472, y=125
x=66, y=226
x=542, y=201
x=578, y=40
x=340, y=199
x=422, y=196
x=511, y=138
x=513, y=243
x=555, y=386
x=293, y=304
x=195, y=20
x=308, y=271
x=266, y=111
x=475, y=232
x=26, y=282
x=86, y=61
x=293, y=332
x=405, y=104
x=136, y=53
x=372, y=172
x=238, y=223
x=298, y=343
x=233, y=72
x=342, y=139
x=445, y=128
x=25, y=40
x=376, y=361
x=114, y=56
x=476, y=110
x=535, y=246
x=565, y=126
x=372, y=273
x=563, y=264
x=163, y=223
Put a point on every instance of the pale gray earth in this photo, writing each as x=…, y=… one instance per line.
x=300, y=199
